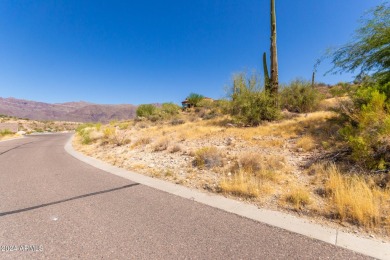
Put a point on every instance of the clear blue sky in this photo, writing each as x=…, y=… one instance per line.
x=146, y=51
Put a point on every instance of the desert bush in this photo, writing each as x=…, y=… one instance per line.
x=5, y=132
x=108, y=132
x=206, y=103
x=300, y=97
x=250, y=104
x=84, y=131
x=367, y=128
x=142, y=141
x=342, y=89
x=170, y=109
x=270, y=168
x=81, y=127
x=250, y=162
x=176, y=148
x=85, y=136
x=177, y=121
x=194, y=99
x=161, y=145
x=124, y=125
x=223, y=106
x=146, y=110
x=120, y=138
x=114, y=136
x=207, y=157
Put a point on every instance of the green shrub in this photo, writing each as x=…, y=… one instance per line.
x=206, y=103
x=170, y=109
x=82, y=127
x=367, y=130
x=146, y=110
x=194, y=99
x=84, y=131
x=250, y=104
x=85, y=135
x=342, y=89
x=300, y=97
x=5, y=132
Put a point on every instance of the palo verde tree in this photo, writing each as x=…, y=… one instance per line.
x=370, y=51
x=194, y=99
x=271, y=83
x=367, y=119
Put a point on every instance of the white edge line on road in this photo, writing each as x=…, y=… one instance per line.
x=370, y=247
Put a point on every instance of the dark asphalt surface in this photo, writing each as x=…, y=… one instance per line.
x=65, y=209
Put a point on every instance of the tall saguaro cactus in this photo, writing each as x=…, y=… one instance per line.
x=274, y=84
x=266, y=74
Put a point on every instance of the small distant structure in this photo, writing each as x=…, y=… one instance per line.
x=13, y=127
x=187, y=104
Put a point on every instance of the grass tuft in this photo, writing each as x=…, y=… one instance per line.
x=207, y=157
x=306, y=143
x=353, y=199
x=298, y=197
x=242, y=185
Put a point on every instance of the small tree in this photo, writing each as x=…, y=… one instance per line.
x=367, y=119
x=370, y=51
x=250, y=104
x=194, y=99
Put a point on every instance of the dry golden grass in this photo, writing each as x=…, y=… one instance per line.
x=207, y=157
x=306, y=143
x=271, y=143
x=254, y=169
x=331, y=103
x=108, y=132
x=141, y=141
x=250, y=162
x=8, y=137
x=298, y=197
x=290, y=128
x=266, y=174
x=161, y=145
x=354, y=200
x=242, y=185
x=175, y=148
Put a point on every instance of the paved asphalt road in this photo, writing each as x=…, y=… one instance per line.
x=64, y=209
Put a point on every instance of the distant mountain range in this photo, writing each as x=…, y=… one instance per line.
x=70, y=111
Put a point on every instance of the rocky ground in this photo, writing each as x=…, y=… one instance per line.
x=208, y=154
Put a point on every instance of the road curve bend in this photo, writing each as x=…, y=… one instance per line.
x=53, y=206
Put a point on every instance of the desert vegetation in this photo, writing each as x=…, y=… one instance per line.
x=291, y=164
x=27, y=126
x=322, y=152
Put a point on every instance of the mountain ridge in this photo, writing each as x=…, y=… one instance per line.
x=77, y=111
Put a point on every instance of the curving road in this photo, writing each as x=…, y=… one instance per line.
x=53, y=206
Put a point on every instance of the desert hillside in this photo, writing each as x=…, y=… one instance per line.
x=70, y=111
x=298, y=163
